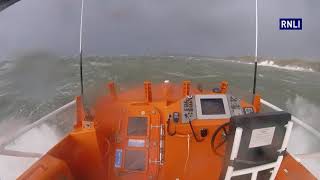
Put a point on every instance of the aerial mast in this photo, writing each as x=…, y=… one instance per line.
x=256, y=53
x=80, y=47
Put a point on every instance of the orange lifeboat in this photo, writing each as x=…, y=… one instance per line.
x=172, y=132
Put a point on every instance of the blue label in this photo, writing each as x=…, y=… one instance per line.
x=290, y=23
x=118, y=159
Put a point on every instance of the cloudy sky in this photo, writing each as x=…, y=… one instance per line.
x=138, y=27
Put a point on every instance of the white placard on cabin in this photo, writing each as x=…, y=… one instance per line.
x=261, y=137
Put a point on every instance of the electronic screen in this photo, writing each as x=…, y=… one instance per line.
x=212, y=106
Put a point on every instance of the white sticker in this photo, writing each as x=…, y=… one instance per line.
x=136, y=143
x=261, y=137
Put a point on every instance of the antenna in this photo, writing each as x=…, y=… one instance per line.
x=87, y=112
x=80, y=47
x=256, y=53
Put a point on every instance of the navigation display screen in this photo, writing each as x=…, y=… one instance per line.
x=212, y=106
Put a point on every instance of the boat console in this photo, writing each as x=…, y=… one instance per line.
x=205, y=107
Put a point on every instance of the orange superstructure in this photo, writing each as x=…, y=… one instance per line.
x=155, y=132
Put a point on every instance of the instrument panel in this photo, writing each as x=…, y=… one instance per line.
x=209, y=106
x=188, y=107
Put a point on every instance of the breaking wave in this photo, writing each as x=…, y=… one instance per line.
x=285, y=64
x=308, y=113
x=303, y=143
x=270, y=63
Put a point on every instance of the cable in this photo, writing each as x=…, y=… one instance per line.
x=175, y=131
x=188, y=154
x=194, y=134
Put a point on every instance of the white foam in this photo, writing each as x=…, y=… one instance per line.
x=309, y=113
x=302, y=142
x=38, y=140
x=270, y=63
x=6, y=66
x=105, y=64
x=180, y=74
x=237, y=61
x=288, y=81
x=3, y=94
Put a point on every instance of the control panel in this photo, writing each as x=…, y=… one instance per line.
x=209, y=106
x=235, y=106
x=188, y=108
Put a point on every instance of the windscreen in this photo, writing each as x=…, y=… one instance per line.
x=212, y=106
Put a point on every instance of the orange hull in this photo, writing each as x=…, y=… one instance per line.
x=103, y=147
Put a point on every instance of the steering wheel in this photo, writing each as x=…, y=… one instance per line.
x=224, y=128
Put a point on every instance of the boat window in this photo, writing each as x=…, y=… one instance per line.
x=137, y=126
x=135, y=160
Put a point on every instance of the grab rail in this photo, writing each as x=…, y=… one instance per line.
x=294, y=119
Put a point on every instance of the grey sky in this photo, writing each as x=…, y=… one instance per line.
x=137, y=27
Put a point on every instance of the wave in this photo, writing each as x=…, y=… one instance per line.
x=288, y=81
x=270, y=63
x=309, y=113
x=285, y=64
x=302, y=143
x=180, y=74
